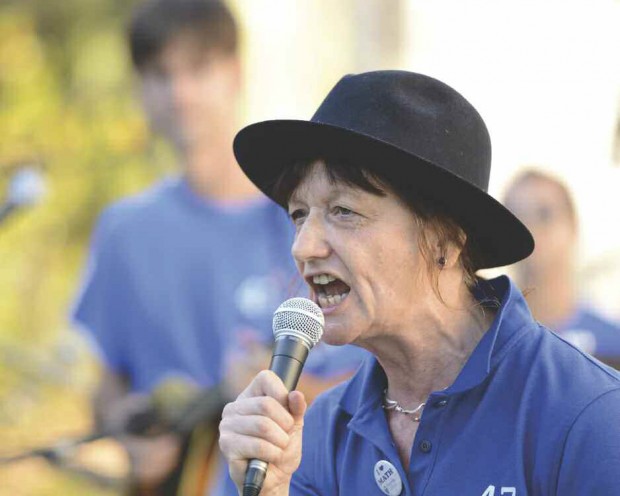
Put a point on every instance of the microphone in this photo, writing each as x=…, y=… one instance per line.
x=26, y=188
x=297, y=327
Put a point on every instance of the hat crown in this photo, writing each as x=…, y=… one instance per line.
x=415, y=113
x=417, y=133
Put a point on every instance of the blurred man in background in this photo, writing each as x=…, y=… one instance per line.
x=548, y=276
x=175, y=298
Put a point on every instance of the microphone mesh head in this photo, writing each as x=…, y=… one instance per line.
x=299, y=317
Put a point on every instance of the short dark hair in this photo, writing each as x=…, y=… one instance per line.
x=428, y=213
x=155, y=22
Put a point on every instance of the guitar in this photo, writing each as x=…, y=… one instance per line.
x=196, y=422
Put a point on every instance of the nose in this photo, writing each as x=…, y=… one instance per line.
x=181, y=91
x=311, y=241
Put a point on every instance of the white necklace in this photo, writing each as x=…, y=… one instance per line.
x=389, y=404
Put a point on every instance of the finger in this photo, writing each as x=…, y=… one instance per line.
x=237, y=470
x=256, y=426
x=297, y=406
x=264, y=406
x=267, y=383
x=238, y=447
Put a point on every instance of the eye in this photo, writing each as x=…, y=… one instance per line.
x=343, y=211
x=297, y=215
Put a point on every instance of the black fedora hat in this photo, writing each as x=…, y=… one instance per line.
x=412, y=128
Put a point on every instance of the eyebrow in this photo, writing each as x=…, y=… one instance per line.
x=335, y=193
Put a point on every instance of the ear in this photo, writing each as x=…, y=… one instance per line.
x=450, y=257
x=447, y=253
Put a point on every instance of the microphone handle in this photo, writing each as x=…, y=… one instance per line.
x=6, y=210
x=289, y=356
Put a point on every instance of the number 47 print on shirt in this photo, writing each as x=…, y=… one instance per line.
x=490, y=491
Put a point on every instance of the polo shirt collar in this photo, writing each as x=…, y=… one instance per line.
x=363, y=394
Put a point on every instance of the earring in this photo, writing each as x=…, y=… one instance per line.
x=441, y=262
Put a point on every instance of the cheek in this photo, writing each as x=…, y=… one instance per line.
x=554, y=238
x=395, y=274
x=299, y=267
x=218, y=91
x=156, y=103
x=566, y=235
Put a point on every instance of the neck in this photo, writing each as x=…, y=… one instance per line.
x=212, y=172
x=429, y=355
x=550, y=296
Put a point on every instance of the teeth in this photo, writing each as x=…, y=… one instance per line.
x=331, y=301
x=323, y=279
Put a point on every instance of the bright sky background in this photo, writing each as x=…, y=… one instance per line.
x=546, y=78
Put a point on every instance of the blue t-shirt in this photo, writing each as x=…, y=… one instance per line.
x=177, y=285
x=529, y=414
x=592, y=334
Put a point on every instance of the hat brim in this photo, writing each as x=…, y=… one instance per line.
x=265, y=149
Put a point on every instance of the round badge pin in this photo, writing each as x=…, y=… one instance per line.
x=387, y=478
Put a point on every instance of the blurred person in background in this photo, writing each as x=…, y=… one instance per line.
x=183, y=279
x=548, y=276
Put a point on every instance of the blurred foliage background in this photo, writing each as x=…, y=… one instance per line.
x=67, y=105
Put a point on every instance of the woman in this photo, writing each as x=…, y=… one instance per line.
x=545, y=205
x=466, y=393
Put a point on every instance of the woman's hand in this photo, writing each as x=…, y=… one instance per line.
x=264, y=422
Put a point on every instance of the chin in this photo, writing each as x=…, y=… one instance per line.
x=337, y=336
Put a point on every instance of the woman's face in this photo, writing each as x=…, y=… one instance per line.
x=359, y=254
x=542, y=206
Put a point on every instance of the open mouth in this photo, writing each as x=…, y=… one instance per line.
x=329, y=290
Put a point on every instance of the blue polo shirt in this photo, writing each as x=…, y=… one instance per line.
x=593, y=334
x=529, y=414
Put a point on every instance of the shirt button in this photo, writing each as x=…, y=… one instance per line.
x=426, y=446
x=441, y=403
